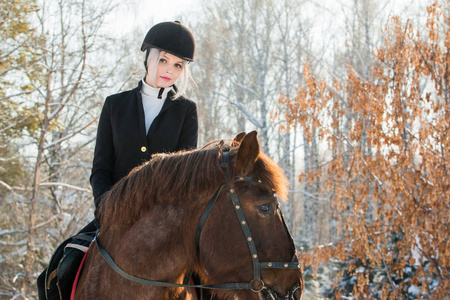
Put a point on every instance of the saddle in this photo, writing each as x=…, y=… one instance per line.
x=63, y=267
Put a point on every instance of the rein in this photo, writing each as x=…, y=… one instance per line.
x=256, y=284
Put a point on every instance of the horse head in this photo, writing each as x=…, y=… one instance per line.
x=244, y=237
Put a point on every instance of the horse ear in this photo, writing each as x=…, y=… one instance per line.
x=237, y=139
x=248, y=153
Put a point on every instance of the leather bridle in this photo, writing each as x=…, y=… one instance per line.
x=256, y=284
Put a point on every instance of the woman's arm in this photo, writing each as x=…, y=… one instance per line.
x=103, y=163
x=189, y=132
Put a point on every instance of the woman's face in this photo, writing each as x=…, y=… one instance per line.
x=167, y=72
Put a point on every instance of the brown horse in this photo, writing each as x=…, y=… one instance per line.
x=173, y=216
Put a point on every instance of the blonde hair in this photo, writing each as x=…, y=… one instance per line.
x=185, y=80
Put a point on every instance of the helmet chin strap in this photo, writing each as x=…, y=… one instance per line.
x=147, y=52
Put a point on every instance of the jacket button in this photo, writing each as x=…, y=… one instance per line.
x=143, y=149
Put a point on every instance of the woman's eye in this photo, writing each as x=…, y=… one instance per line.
x=266, y=209
x=162, y=60
x=179, y=66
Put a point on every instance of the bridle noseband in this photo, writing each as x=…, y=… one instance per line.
x=256, y=284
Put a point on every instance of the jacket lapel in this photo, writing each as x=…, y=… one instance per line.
x=167, y=103
x=141, y=114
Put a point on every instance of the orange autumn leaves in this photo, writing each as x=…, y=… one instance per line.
x=388, y=135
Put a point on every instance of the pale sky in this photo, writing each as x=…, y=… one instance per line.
x=166, y=10
x=145, y=13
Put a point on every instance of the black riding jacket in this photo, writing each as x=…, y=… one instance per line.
x=123, y=144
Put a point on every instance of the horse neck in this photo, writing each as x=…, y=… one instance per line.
x=163, y=239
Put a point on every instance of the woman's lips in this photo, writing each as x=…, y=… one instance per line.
x=165, y=78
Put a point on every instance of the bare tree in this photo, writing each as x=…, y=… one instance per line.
x=65, y=97
x=240, y=50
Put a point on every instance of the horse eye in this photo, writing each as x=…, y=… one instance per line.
x=266, y=209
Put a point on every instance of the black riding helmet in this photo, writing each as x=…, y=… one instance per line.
x=171, y=37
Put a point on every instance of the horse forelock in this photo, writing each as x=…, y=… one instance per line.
x=271, y=176
x=179, y=177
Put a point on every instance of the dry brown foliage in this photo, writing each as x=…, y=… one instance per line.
x=389, y=172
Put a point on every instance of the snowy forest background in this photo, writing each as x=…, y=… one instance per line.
x=350, y=97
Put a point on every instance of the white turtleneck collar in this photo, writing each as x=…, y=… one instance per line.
x=151, y=103
x=154, y=92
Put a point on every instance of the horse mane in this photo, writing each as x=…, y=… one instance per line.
x=178, y=177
